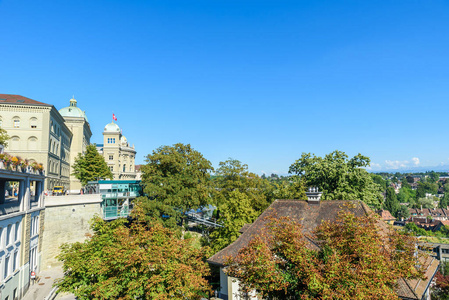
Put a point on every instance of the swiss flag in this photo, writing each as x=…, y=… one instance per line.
x=114, y=117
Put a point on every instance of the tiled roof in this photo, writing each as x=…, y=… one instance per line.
x=17, y=99
x=310, y=216
x=415, y=288
x=385, y=215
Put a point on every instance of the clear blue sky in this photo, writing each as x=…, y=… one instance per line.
x=259, y=81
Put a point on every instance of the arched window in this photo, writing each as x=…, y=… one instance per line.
x=33, y=122
x=32, y=143
x=15, y=143
x=16, y=122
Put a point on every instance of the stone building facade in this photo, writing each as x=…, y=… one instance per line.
x=117, y=152
x=41, y=133
x=38, y=133
x=76, y=120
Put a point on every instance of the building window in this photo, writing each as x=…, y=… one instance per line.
x=16, y=123
x=111, y=157
x=15, y=143
x=111, y=140
x=6, y=273
x=111, y=168
x=17, y=233
x=15, y=261
x=8, y=234
x=124, y=168
x=33, y=123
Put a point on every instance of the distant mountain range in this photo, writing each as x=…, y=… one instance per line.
x=418, y=169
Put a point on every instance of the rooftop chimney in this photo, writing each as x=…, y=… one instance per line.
x=313, y=196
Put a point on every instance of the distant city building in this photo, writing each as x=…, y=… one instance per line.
x=117, y=153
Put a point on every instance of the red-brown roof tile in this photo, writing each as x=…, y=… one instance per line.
x=17, y=99
x=310, y=216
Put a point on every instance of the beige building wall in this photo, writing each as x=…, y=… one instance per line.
x=37, y=133
x=117, y=153
x=76, y=121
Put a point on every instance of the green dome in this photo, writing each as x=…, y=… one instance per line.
x=111, y=127
x=73, y=111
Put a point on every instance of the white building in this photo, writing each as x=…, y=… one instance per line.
x=117, y=153
x=21, y=225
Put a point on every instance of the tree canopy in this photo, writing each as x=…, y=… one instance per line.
x=133, y=261
x=391, y=201
x=91, y=166
x=355, y=260
x=175, y=179
x=233, y=175
x=338, y=177
x=234, y=213
x=4, y=137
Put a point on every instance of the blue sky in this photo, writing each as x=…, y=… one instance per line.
x=259, y=81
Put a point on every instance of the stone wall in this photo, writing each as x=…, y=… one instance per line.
x=67, y=220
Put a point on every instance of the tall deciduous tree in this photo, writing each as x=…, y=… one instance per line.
x=356, y=260
x=175, y=179
x=136, y=261
x=338, y=177
x=234, y=213
x=232, y=175
x=91, y=166
x=291, y=188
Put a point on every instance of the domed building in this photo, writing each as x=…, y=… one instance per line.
x=117, y=153
x=76, y=120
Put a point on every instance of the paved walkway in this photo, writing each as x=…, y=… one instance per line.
x=41, y=289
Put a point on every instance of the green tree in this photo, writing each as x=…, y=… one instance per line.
x=391, y=201
x=403, y=212
x=175, y=180
x=233, y=175
x=234, y=213
x=433, y=177
x=91, y=166
x=405, y=184
x=426, y=187
x=444, y=202
x=4, y=137
x=380, y=181
x=424, y=203
x=406, y=195
x=339, y=177
x=294, y=188
x=353, y=251
x=133, y=261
